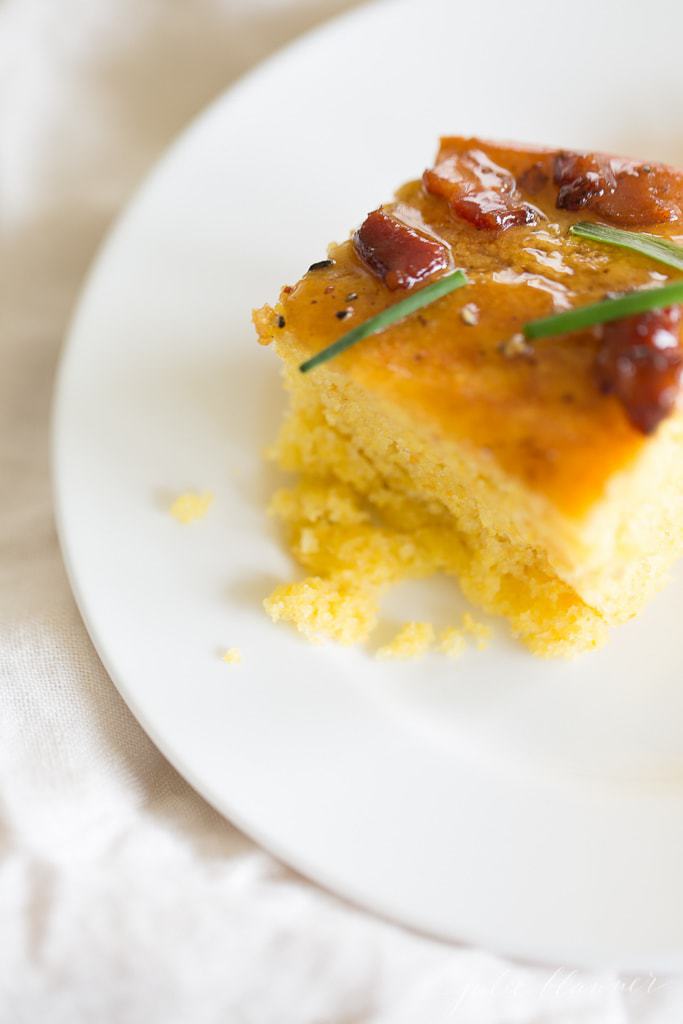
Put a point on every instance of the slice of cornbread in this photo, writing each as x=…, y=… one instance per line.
x=548, y=478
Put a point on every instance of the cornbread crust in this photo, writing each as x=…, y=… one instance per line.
x=514, y=475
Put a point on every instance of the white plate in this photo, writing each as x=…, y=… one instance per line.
x=534, y=808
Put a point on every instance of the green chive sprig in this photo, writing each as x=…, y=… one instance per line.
x=602, y=312
x=391, y=315
x=657, y=248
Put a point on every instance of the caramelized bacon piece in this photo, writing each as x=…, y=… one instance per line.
x=479, y=191
x=399, y=254
x=583, y=178
x=621, y=191
x=641, y=362
x=645, y=194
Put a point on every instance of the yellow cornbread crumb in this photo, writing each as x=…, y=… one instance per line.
x=325, y=608
x=190, y=506
x=479, y=630
x=233, y=656
x=412, y=640
x=452, y=642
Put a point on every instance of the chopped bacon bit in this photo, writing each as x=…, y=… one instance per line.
x=534, y=179
x=645, y=194
x=582, y=178
x=479, y=191
x=399, y=254
x=641, y=362
x=619, y=190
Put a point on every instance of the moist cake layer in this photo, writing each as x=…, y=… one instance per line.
x=550, y=505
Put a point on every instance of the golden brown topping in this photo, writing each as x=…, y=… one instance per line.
x=479, y=191
x=641, y=362
x=534, y=179
x=621, y=191
x=398, y=254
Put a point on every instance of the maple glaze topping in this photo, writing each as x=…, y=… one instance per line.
x=534, y=179
x=397, y=253
x=479, y=191
x=542, y=412
x=640, y=360
x=621, y=191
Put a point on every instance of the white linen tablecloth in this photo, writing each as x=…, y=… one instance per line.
x=124, y=899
